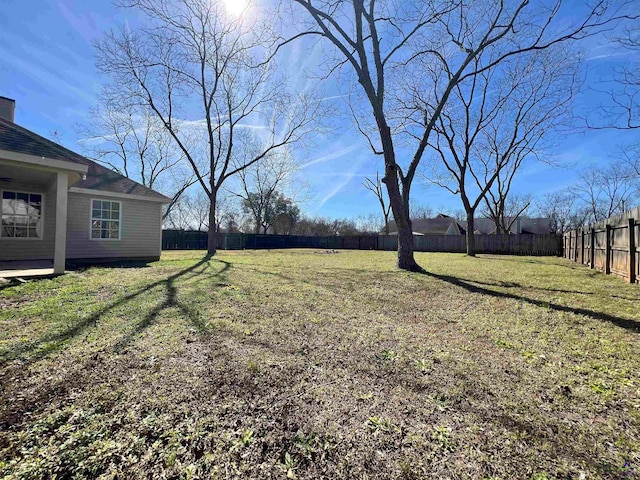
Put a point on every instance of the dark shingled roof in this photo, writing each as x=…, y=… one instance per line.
x=431, y=226
x=17, y=139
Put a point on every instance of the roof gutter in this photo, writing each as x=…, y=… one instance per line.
x=105, y=193
x=43, y=163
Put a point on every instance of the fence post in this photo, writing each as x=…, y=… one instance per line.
x=632, y=250
x=607, y=262
x=592, y=254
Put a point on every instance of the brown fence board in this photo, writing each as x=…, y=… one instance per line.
x=613, y=249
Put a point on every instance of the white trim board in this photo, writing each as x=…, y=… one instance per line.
x=43, y=162
x=102, y=193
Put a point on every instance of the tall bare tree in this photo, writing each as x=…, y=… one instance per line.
x=376, y=188
x=606, y=191
x=131, y=141
x=622, y=110
x=563, y=210
x=191, y=211
x=258, y=184
x=505, y=208
x=494, y=122
x=386, y=43
x=201, y=71
x=420, y=211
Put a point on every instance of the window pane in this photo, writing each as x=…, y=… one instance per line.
x=97, y=205
x=104, y=233
x=96, y=224
x=115, y=215
x=22, y=215
x=35, y=208
x=8, y=200
x=7, y=206
x=96, y=214
x=21, y=220
x=7, y=227
x=20, y=207
x=115, y=206
x=95, y=233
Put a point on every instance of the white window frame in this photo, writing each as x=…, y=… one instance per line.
x=29, y=192
x=91, y=219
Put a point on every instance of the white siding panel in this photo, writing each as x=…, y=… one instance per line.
x=27, y=249
x=141, y=230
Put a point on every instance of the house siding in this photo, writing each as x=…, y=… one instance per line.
x=36, y=249
x=140, y=230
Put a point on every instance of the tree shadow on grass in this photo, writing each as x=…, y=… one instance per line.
x=58, y=340
x=601, y=316
x=517, y=285
x=87, y=370
x=171, y=301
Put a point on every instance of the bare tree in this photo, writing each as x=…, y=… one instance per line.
x=630, y=155
x=259, y=183
x=504, y=208
x=386, y=43
x=192, y=59
x=420, y=211
x=622, y=111
x=563, y=211
x=493, y=123
x=376, y=188
x=191, y=212
x=130, y=140
x=371, y=224
x=605, y=191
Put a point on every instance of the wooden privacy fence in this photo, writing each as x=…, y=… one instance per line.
x=538, y=245
x=610, y=246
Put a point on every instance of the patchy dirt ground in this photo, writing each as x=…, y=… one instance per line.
x=292, y=364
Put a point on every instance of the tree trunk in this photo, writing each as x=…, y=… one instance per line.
x=471, y=236
x=212, y=240
x=496, y=220
x=400, y=210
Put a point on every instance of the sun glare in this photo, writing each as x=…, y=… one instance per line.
x=236, y=7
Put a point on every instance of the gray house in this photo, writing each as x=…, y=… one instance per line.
x=58, y=206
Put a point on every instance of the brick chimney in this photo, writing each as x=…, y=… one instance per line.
x=7, y=108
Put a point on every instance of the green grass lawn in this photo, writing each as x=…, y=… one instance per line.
x=309, y=365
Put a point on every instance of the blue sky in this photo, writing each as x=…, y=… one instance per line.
x=47, y=66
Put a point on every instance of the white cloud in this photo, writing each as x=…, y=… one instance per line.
x=331, y=156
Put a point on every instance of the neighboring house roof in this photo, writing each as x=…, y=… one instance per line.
x=441, y=225
x=15, y=138
x=536, y=225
